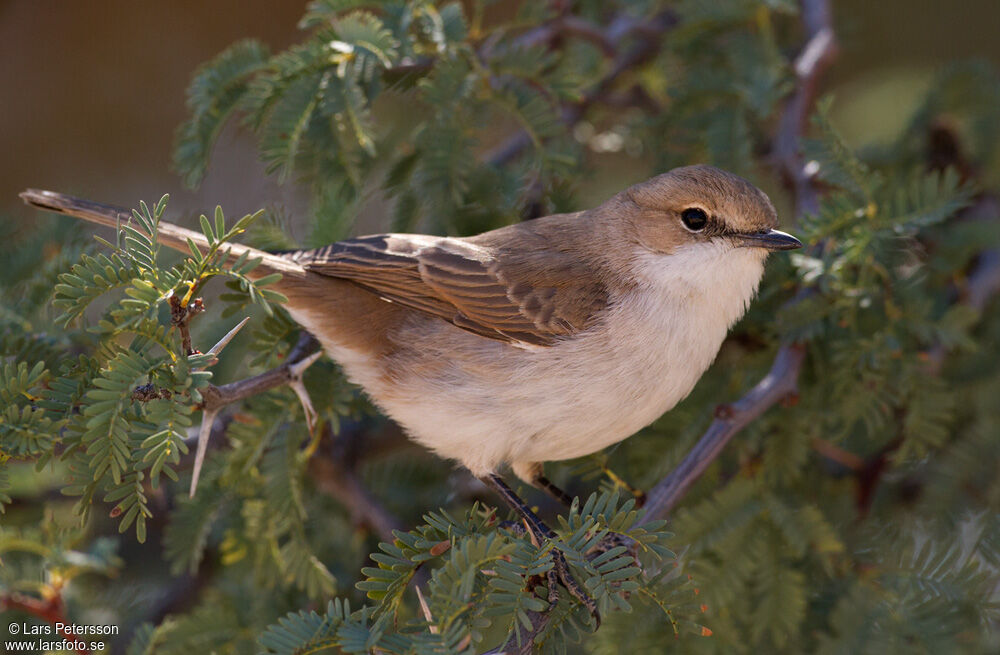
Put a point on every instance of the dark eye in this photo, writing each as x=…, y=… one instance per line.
x=694, y=219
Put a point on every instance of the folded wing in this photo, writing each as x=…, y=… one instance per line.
x=512, y=297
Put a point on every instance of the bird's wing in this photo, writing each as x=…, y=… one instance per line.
x=512, y=298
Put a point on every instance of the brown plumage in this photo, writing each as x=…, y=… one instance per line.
x=532, y=295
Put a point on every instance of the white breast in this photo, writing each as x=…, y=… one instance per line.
x=485, y=403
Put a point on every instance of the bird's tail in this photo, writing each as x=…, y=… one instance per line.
x=170, y=235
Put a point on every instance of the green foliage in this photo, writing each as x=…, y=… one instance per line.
x=113, y=438
x=24, y=427
x=314, y=110
x=935, y=587
x=486, y=584
x=213, y=95
x=861, y=517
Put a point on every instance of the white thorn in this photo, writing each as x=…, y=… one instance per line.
x=207, y=421
x=224, y=341
x=298, y=368
x=426, y=610
x=307, y=406
x=295, y=371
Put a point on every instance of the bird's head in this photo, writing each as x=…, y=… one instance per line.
x=705, y=206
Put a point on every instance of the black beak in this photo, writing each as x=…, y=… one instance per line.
x=770, y=240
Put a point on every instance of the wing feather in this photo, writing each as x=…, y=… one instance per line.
x=508, y=297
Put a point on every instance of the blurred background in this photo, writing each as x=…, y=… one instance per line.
x=95, y=91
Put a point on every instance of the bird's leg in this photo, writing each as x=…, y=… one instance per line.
x=540, y=530
x=534, y=474
x=551, y=489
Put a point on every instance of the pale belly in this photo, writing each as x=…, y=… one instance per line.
x=487, y=403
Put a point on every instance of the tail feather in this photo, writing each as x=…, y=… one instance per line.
x=168, y=234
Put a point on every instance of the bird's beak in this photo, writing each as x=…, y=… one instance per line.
x=770, y=240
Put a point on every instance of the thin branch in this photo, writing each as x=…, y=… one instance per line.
x=565, y=24
x=835, y=453
x=984, y=282
x=180, y=317
x=216, y=397
x=584, y=29
x=980, y=287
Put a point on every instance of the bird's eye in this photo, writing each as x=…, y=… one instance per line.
x=694, y=219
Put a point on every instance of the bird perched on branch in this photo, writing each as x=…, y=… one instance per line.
x=541, y=341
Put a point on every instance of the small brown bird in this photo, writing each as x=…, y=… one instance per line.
x=541, y=341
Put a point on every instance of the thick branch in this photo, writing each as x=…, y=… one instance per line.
x=779, y=383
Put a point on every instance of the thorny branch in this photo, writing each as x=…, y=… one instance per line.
x=302, y=355
x=818, y=53
x=218, y=397
x=331, y=470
